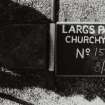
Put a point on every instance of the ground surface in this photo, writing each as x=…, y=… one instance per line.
x=42, y=88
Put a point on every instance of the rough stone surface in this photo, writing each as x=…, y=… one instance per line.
x=44, y=6
x=82, y=10
x=14, y=13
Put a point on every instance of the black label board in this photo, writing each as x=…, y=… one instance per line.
x=80, y=49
